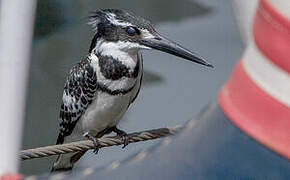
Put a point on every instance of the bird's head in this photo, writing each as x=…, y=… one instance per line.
x=130, y=33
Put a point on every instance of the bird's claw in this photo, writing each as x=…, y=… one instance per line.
x=123, y=135
x=125, y=139
x=95, y=142
x=96, y=150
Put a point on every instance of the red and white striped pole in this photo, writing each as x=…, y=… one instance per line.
x=257, y=96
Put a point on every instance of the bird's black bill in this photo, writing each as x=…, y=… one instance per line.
x=165, y=45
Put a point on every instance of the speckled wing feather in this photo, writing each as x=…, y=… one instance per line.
x=137, y=87
x=79, y=91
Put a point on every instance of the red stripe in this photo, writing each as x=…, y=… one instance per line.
x=272, y=35
x=11, y=177
x=255, y=112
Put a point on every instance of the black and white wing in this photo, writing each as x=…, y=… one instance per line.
x=79, y=91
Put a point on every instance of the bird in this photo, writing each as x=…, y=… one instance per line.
x=101, y=87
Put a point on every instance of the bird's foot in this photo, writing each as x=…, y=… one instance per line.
x=95, y=141
x=123, y=135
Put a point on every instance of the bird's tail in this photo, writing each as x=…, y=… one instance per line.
x=65, y=162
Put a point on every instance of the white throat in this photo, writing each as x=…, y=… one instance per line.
x=125, y=52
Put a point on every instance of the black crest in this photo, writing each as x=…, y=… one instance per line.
x=106, y=16
x=112, y=24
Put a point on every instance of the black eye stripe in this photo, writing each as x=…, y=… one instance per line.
x=137, y=31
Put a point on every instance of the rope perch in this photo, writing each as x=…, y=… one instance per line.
x=88, y=144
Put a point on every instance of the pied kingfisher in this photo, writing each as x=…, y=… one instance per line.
x=100, y=88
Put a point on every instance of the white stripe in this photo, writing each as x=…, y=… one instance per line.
x=282, y=6
x=267, y=75
x=146, y=34
x=244, y=11
x=112, y=18
x=125, y=52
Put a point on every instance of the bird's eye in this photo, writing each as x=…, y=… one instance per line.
x=131, y=31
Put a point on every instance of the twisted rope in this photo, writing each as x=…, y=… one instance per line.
x=88, y=144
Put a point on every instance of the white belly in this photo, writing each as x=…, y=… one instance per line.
x=106, y=111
